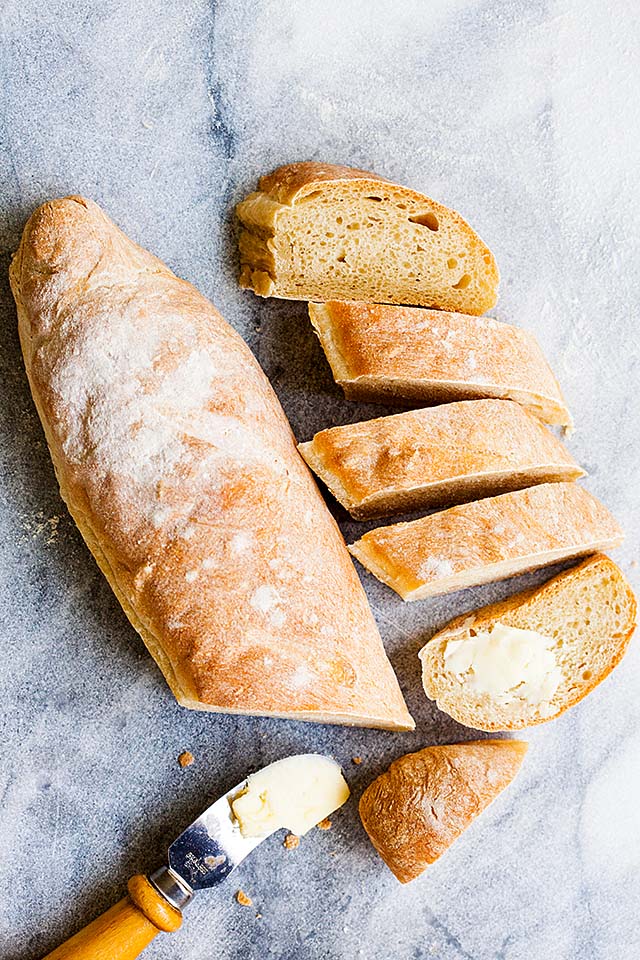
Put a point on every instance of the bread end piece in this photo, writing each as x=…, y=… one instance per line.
x=425, y=800
x=590, y=612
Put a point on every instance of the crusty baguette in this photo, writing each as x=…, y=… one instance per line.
x=409, y=356
x=588, y=611
x=317, y=231
x=488, y=540
x=425, y=800
x=436, y=457
x=180, y=469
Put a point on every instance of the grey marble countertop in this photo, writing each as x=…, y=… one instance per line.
x=522, y=114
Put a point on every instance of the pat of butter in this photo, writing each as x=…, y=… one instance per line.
x=507, y=663
x=297, y=793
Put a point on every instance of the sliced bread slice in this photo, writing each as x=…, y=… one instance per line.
x=529, y=658
x=411, y=357
x=436, y=457
x=488, y=540
x=317, y=231
x=425, y=800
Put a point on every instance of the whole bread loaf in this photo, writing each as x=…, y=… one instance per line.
x=179, y=467
x=317, y=231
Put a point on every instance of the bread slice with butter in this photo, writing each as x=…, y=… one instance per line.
x=425, y=800
x=437, y=456
x=529, y=658
x=488, y=540
x=407, y=356
x=319, y=231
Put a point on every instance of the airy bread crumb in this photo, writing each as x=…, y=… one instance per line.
x=290, y=842
x=186, y=758
x=356, y=760
x=324, y=824
x=243, y=899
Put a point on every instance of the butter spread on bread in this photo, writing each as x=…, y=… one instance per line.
x=180, y=469
x=413, y=357
x=436, y=456
x=317, y=231
x=426, y=800
x=583, y=619
x=508, y=663
x=488, y=540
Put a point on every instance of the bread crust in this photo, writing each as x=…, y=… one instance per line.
x=425, y=800
x=436, y=457
x=262, y=248
x=413, y=356
x=517, y=611
x=488, y=540
x=180, y=469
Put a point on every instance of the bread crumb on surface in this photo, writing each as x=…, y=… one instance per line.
x=243, y=899
x=186, y=759
x=258, y=916
x=356, y=760
x=324, y=824
x=290, y=842
x=634, y=564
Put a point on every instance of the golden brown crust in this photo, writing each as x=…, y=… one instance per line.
x=177, y=462
x=488, y=540
x=286, y=183
x=525, y=610
x=409, y=355
x=425, y=800
x=436, y=457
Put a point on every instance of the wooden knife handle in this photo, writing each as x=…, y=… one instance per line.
x=125, y=930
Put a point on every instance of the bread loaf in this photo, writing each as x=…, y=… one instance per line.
x=581, y=621
x=412, y=357
x=488, y=540
x=317, y=231
x=425, y=800
x=436, y=457
x=179, y=467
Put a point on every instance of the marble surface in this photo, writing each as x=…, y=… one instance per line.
x=522, y=114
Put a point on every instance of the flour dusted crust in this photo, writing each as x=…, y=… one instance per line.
x=425, y=800
x=436, y=456
x=410, y=356
x=488, y=540
x=315, y=231
x=588, y=612
x=180, y=469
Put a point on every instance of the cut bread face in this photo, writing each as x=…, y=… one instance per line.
x=583, y=618
x=412, y=357
x=488, y=540
x=321, y=232
x=436, y=457
x=425, y=800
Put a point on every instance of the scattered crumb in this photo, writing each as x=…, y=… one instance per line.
x=356, y=760
x=186, y=759
x=147, y=125
x=41, y=526
x=258, y=916
x=290, y=842
x=324, y=824
x=568, y=430
x=243, y=899
x=634, y=564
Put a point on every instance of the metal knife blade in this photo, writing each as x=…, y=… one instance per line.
x=206, y=852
